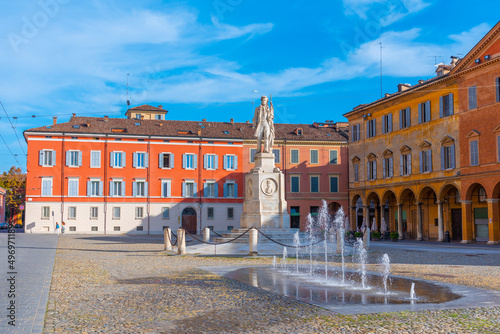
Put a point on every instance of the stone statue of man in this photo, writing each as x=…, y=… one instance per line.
x=263, y=123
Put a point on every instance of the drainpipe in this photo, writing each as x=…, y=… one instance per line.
x=200, y=181
x=62, y=177
x=149, y=183
x=105, y=181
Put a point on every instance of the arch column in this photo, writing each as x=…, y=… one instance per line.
x=366, y=214
x=353, y=219
x=419, y=222
x=467, y=236
x=400, y=220
x=493, y=222
x=440, y=222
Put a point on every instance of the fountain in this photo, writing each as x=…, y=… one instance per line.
x=361, y=254
x=386, y=262
x=324, y=218
x=296, y=243
x=283, y=261
x=274, y=262
x=412, y=291
x=310, y=237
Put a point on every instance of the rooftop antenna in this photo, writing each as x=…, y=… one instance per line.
x=435, y=59
x=128, y=100
x=381, y=90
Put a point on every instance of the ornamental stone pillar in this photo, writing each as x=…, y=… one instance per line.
x=181, y=242
x=493, y=222
x=440, y=222
x=467, y=233
x=167, y=239
x=400, y=220
x=419, y=222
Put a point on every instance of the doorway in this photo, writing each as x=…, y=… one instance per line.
x=189, y=220
x=456, y=224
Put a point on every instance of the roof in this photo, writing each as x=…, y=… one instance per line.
x=125, y=126
x=147, y=107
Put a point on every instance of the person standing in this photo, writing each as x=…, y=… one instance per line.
x=63, y=228
x=57, y=228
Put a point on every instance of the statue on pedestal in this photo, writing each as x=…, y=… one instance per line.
x=263, y=123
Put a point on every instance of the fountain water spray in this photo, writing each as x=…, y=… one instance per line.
x=339, y=224
x=361, y=251
x=309, y=228
x=324, y=218
x=274, y=262
x=387, y=270
x=412, y=292
x=296, y=243
x=285, y=254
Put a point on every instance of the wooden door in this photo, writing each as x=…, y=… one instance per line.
x=456, y=224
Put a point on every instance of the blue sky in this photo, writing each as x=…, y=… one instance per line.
x=206, y=58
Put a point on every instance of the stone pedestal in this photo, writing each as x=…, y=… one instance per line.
x=265, y=205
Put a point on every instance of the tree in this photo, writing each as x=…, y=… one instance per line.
x=14, y=182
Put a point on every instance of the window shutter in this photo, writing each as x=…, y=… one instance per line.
x=442, y=158
x=452, y=109
x=383, y=169
x=421, y=153
x=195, y=189
x=53, y=158
x=160, y=160
x=401, y=119
x=205, y=163
x=452, y=148
x=89, y=188
x=134, y=160
x=172, y=160
x=40, y=157
x=124, y=159
x=497, y=81
x=368, y=134
x=384, y=117
x=79, y=163
x=333, y=185
x=184, y=161
x=236, y=162
x=145, y=189
x=441, y=107
x=375, y=169
x=408, y=117
x=216, y=190
x=429, y=160
x=420, y=120
x=225, y=189
x=401, y=170
x=374, y=127
x=235, y=189
x=353, y=139
x=368, y=177
x=428, y=111
x=112, y=159
x=163, y=189
x=183, y=189
x=146, y=160
x=68, y=158
x=358, y=127
x=169, y=189
x=134, y=189
x=225, y=163
x=111, y=189
x=195, y=161
x=390, y=123
x=205, y=189
x=409, y=163
x=123, y=188
x=216, y=161
x=101, y=188
x=391, y=173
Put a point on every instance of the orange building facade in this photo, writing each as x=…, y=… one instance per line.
x=137, y=175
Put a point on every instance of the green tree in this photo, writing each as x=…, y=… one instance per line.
x=14, y=182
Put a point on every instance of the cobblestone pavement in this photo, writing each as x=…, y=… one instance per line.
x=128, y=285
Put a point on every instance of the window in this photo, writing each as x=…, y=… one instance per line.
x=474, y=153
x=314, y=184
x=47, y=158
x=189, y=161
x=371, y=130
x=426, y=161
x=355, y=133
x=387, y=123
x=116, y=212
x=276, y=153
x=295, y=184
x=72, y=187
x=139, y=188
x=140, y=160
x=46, y=186
x=117, y=188
x=210, y=189
x=356, y=172
x=334, y=184
x=94, y=188
x=230, y=189
x=73, y=158
x=253, y=151
x=139, y=228
x=165, y=213
x=314, y=157
x=166, y=188
x=294, y=156
x=314, y=210
x=472, y=97
x=405, y=164
x=448, y=157
x=116, y=228
x=72, y=228
x=117, y=159
x=166, y=160
x=230, y=162
x=446, y=105
x=404, y=118
x=158, y=117
x=138, y=116
x=94, y=228
x=45, y=212
x=230, y=213
x=387, y=167
x=72, y=212
x=229, y=228
x=371, y=170
x=94, y=212
x=210, y=213
x=210, y=161
x=334, y=157
x=424, y=112
x=189, y=189
x=95, y=159
x=139, y=212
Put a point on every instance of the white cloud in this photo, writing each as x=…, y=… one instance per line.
x=382, y=11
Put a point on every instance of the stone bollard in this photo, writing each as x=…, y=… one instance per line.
x=366, y=239
x=167, y=239
x=254, y=240
x=206, y=234
x=339, y=243
x=181, y=242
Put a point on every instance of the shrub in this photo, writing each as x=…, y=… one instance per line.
x=394, y=235
x=376, y=235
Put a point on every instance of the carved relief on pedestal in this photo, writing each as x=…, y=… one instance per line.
x=268, y=186
x=249, y=188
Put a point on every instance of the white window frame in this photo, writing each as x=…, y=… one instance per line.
x=161, y=162
x=292, y=161
x=92, y=210
x=73, y=158
x=252, y=152
x=93, y=163
x=210, y=161
x=43, y=192
x=43, y=158
x=71, y=208
x=122, y=160
x=230, y=162
x=166, y=210
x=189, y=161
x=70, y=180
x=230, y=184
x=114, y=187
x=140, y=188
x=98, y=189
x=45, y=209
x=208, y=184
x=137, y=161
x=139, y=212
x=189, y=184
x=166, y=192
x=336, y=157
x=114, y=211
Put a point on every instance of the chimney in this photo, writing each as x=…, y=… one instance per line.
x=74, y=115
x=160, y=124
x=88, y=125
x=420, y=81
x=199, y=132
x=54, y=120
x=403, y=86
x=387, y=95
x=248, y=122
x=106, y=118
x=454, y=61
x=232, y=120
x=204, y=120
x=160, y=106
x=142, y=117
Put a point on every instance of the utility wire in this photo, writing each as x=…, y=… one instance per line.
x=13, y=127
x=14, y=155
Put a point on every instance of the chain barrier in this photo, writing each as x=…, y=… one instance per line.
x=219, y=235
x=281, y=244
x=170, y=238
x=217, y=243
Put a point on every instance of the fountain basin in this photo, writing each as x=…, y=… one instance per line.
x=350, y=298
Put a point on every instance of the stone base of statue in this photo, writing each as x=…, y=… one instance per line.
x=265, y=205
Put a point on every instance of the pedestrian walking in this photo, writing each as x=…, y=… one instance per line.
x=63, y=228
x=57, y=229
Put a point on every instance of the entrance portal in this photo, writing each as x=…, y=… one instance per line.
x=189, y=220
x=456, y=224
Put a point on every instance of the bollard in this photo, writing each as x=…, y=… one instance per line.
x=167, y=239
x=181, y=242
x=339, y=243
x=253, y=241
x=206, y=234
x=366, y=238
